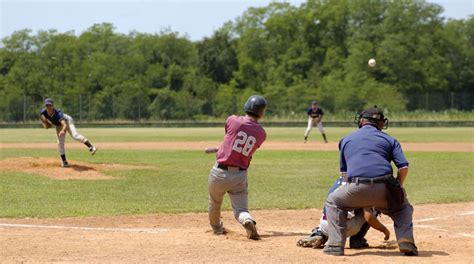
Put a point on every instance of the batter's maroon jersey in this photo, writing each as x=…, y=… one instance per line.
x=243, y=136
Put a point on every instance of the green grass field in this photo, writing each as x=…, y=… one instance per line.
x=457, y=134
x=277, y=179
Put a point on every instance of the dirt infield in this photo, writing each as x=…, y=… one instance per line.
x=444, y=233
x=271, y=145
x=50, y=167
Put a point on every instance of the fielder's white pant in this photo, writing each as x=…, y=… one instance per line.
x=72, y=131
x=314, y=121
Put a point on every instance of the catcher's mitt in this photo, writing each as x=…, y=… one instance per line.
x=314, y=240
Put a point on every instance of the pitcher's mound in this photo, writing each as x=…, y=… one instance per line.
x=51, y=168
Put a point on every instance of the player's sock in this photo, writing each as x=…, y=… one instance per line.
x=63, y=158
x=88, y=144
x=325, y=140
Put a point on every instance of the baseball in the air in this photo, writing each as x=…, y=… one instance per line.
x=371, y=63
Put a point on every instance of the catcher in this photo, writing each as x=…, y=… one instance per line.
x=358, y=223
x=50, y=117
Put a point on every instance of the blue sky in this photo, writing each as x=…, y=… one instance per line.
x=196, y=18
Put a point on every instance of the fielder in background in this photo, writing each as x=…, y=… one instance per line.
x=365, y=162
x=243, y=136
x=50, y=117
x=315, y=116
x=358, y=223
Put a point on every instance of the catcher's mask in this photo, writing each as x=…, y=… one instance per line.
x=255, y=105
x=373, y=115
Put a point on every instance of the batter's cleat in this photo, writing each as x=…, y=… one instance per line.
x=93, y=150
x=409, y=249
x=333, y=250
x=65, y=164
x=356, y=243
x=252, y=233
x=218, y=230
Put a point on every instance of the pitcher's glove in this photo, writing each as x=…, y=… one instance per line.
x=315, y=240
x=45, y=122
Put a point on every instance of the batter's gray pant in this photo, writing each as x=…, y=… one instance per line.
x=359, y=195
x=233, y=182
x=353, y=225
x=71, y=129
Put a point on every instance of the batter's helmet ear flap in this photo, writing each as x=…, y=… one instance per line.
x=255, y=105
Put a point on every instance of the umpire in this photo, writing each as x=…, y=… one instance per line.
x=365, y=162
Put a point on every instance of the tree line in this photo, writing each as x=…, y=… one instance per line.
x=289, y=54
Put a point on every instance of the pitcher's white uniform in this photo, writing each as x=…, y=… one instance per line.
x=55, y=118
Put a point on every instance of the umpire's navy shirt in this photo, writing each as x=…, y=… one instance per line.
x=368, y=152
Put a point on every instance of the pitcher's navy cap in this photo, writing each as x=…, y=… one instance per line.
x=48, y=101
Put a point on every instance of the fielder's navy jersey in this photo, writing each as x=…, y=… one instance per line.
x=55, y=118
x=368, y=152
x=314, y=113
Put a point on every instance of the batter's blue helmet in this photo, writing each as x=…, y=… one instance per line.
x=255, y=105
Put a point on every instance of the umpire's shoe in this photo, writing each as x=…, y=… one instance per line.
x=408, y=248
x=333, y=250
x=252, y=233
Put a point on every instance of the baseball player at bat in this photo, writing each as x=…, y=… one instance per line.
x=50, y=117
x=243, y=136
x=315, y=116
x=358, y=223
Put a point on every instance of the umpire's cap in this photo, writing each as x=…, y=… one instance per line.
x=48, y=101
x=372, y=113
x=255, y=105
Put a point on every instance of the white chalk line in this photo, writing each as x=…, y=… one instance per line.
x=426, y=219
x=436, y=218
x=136, y=230
x=468, y=213
x=443, y=230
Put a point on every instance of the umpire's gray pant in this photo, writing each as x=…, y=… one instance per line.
x=359, y=195
x=233, y=182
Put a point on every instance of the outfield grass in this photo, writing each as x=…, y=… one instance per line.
x=277, y=179
x=465, y=134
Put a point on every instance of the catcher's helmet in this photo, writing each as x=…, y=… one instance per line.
x=255, y=105
x=374, y=115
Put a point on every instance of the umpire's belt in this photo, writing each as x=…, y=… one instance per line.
x=370, y=180
x=225, y=167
